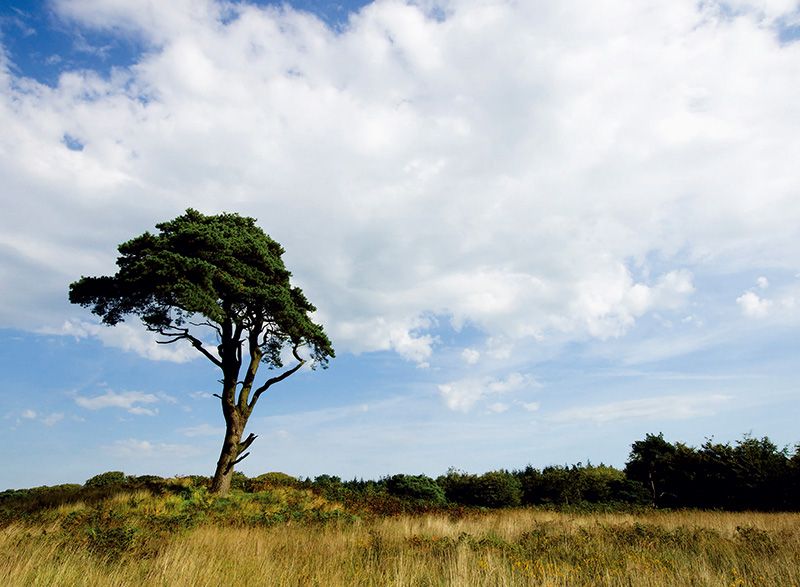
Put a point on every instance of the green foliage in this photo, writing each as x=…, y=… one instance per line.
x=272, y=479
x=107, y=479
x=223, y=267
x=750, y=474
x=419, y=487
x=493, y=489
x=579, y=485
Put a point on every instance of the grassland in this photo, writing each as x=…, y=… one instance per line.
x=289, y=536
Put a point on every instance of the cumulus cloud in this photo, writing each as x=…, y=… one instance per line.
x=464, y=394
x=511, y=166
x=753, y=306
x=130, y=401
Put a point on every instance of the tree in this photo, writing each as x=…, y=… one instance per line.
x=651, y=462
x=220, y=276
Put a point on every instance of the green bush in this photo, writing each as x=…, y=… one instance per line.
x=493, y=489
x=272, y=479
x=420, y=487
x=107, y=479
x=499, y=489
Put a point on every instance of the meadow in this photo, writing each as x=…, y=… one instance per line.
x=285, y=535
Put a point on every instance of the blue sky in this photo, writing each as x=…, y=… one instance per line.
x=534, y=232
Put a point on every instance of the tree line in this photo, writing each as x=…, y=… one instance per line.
x=750, y=474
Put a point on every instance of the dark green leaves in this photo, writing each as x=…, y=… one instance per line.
x=222, y=267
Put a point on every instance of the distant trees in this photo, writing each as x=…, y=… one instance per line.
x=752, y=473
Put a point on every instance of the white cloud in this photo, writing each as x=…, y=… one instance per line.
x=127, y=400
x=47, y=420
x=128, y=338
x=464, y=394
x=762, y=282
x=512, y=166
x=470, y=356
x=671, y=407
x=753, y=306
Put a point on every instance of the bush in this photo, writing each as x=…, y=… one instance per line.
x=272, y=479
x=494, y=489
x=499, y=489
x=419, y=487
x=107, y=479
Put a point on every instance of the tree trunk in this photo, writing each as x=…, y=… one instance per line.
x=231, y=448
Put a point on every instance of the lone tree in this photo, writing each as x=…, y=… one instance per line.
x=221, y=276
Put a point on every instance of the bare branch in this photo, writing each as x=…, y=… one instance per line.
x=240, y=459
x=196, y=343
x=247, y=442
x=273, y=380
x=175, y=334
x=207, y=323
x=175, y=339
x=217, y=395
x=233, y=463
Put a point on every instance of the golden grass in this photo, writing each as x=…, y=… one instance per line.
x=502, y=548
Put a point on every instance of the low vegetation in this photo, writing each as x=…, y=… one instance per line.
x=571, y=525
x=289, y=536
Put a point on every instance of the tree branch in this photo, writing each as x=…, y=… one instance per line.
x=183, y=334
x=240, y=459
x=234, y=463
x=273, y=380
x=243, y=445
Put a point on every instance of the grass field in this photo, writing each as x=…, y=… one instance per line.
x=140, y=539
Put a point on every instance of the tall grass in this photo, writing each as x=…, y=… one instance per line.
x=125, y=542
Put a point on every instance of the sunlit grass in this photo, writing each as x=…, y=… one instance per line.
x=287, y=537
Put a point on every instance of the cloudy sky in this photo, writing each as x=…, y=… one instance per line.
x=535, y=231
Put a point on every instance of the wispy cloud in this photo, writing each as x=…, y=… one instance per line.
x=46, y=419
x=143, y=449
x=464, y=394
x=130, y=401
x=668, y=407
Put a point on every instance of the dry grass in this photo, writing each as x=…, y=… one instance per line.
x=512, y=547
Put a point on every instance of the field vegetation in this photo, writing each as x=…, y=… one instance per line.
x=174, y=532
x=566, y=526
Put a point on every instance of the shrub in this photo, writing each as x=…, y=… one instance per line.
x=499, y=489
x=107, y=479
x=494, y=489
x=272, y=479
x=420, y=487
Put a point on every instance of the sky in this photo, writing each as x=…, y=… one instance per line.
x=534, y=231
